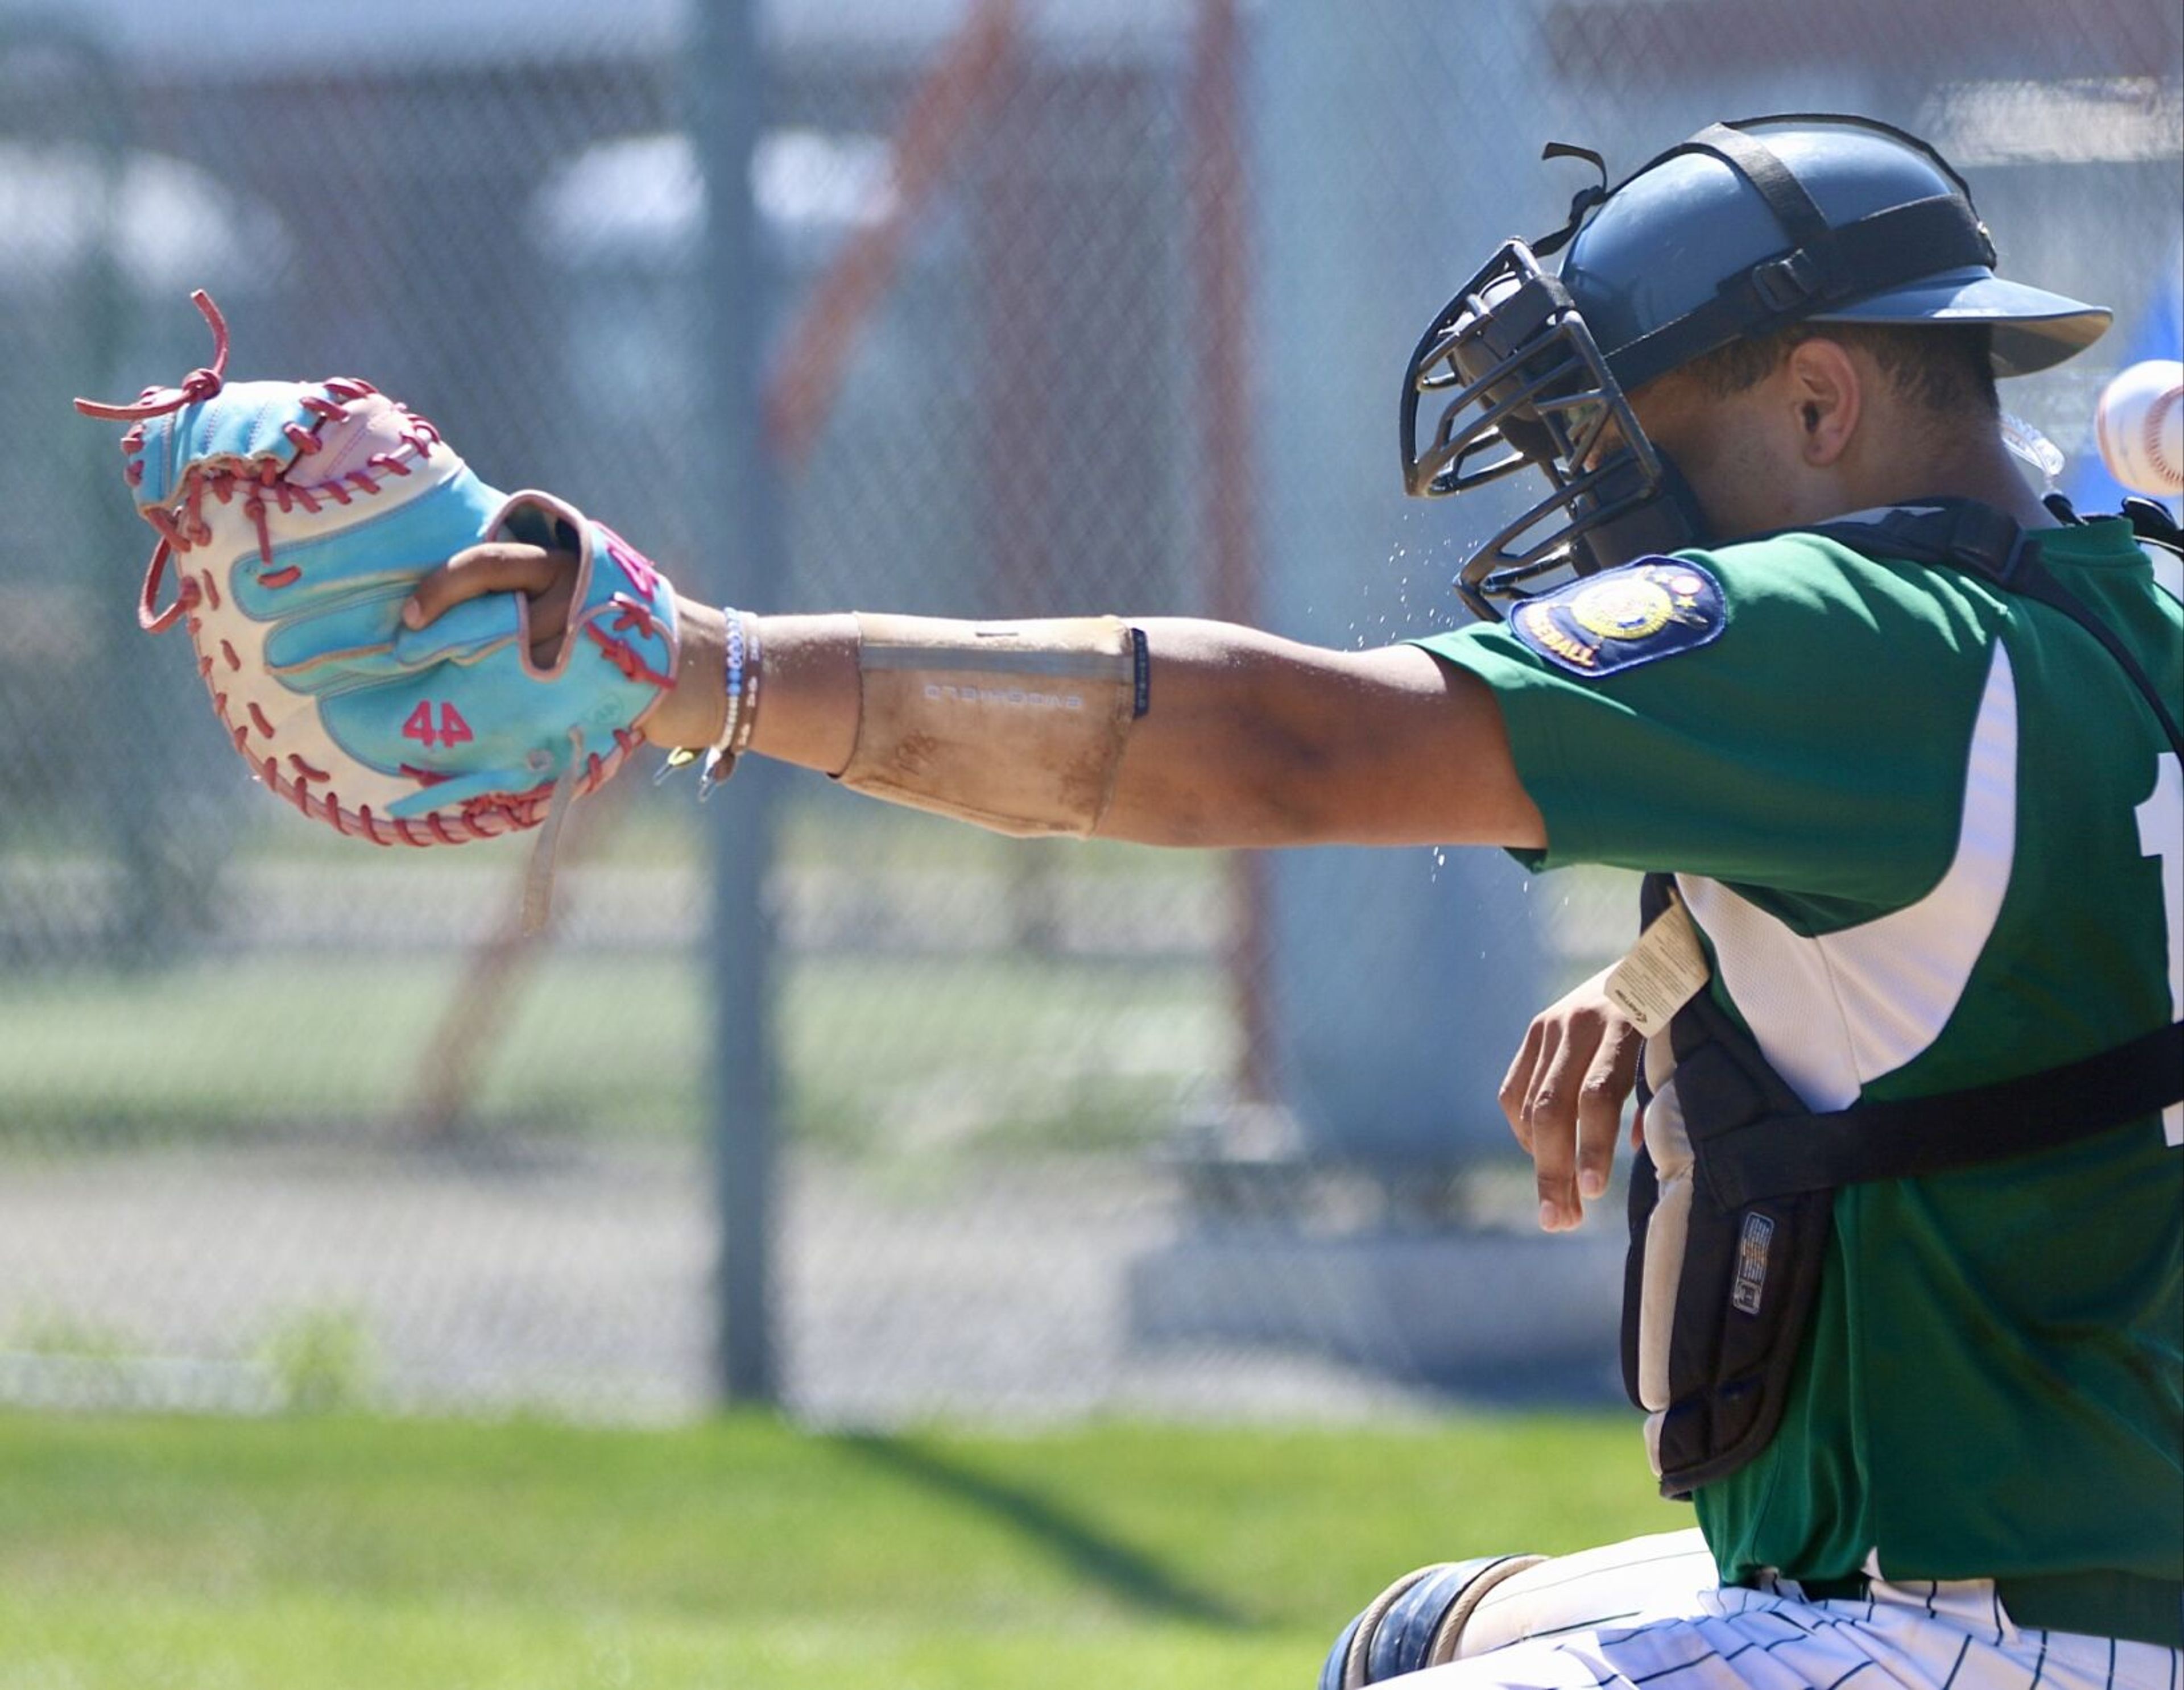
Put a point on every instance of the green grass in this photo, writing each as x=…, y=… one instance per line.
x=606, y=1047
x=337, y=1553
x=219, y=1046
x=878, y=1051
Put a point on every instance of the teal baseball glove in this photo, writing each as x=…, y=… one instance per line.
x=297, y=516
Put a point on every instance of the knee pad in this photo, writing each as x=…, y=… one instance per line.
x=1416, y=1622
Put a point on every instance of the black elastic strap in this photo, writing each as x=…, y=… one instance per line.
x=1806, y=121
x=1801, y=221
x=1921, y=237
x=1872, y=126
x=1582, y=203
x=1780, y=1154
x=2035, y=581
x=1964, y=534
x=1884, y=249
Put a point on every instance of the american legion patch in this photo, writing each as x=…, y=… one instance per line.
x=1653, y=608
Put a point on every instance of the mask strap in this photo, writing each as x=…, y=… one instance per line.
x=1582, y=203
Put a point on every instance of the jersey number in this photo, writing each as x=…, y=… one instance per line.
x=2161, y=834
x=453, y=730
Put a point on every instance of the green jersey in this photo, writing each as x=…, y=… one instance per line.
x=1932, y=838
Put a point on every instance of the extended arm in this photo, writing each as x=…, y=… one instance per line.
x=1249, y=740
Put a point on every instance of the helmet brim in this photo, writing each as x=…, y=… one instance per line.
x=2033, y=328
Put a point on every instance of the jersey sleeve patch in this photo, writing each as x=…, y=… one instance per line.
x=1653, y=608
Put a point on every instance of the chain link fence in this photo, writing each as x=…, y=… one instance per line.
x=1069, y=306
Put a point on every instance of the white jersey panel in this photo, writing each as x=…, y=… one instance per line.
x=1834, y=1013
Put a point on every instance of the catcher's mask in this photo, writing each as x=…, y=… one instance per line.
x=1743, y=230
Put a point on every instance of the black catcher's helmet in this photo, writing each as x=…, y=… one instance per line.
x=1744, y=229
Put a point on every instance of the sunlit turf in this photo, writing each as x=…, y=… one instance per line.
x=375, y=1554
x=608, y=1047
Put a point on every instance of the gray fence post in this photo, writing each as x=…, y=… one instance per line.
x=741, y=542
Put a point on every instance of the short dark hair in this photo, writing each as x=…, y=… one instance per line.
x=1941, y=367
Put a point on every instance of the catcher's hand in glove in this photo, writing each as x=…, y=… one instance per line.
x=298, y=517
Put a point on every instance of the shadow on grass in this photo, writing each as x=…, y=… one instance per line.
x=1129, y=1574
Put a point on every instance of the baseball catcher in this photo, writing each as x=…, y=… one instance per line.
x=1894, y=741
x=1896, y=744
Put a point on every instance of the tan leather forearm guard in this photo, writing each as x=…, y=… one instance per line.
x=1016, y=727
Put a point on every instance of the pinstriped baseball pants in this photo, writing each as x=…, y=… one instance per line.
x=1663, y=1624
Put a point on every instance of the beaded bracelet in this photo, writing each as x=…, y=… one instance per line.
x=746, y=722
x=739, y=681
x=740, y=677
x=734, y=664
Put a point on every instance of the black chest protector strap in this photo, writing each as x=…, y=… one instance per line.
x=1963, y=534
x=1762, y=1169
x=1772, y=1155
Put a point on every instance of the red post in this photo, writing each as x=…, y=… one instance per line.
x=1220, y=249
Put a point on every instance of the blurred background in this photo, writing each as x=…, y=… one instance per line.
x=963, y=307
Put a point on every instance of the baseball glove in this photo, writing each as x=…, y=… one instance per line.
x=296, y=517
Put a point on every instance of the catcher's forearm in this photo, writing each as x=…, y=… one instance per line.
x=810, y=708
x=810, y=697
x=994, y=764
x=1246, y=739
x=1018, y=727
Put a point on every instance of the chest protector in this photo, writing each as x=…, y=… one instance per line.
x=1732, y=1197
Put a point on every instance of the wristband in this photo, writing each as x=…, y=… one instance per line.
x=739, y=679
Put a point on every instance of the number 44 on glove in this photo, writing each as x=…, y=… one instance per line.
x=296, y=517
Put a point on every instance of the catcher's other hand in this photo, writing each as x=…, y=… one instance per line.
x=298, y=517
x=1564, y=1094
